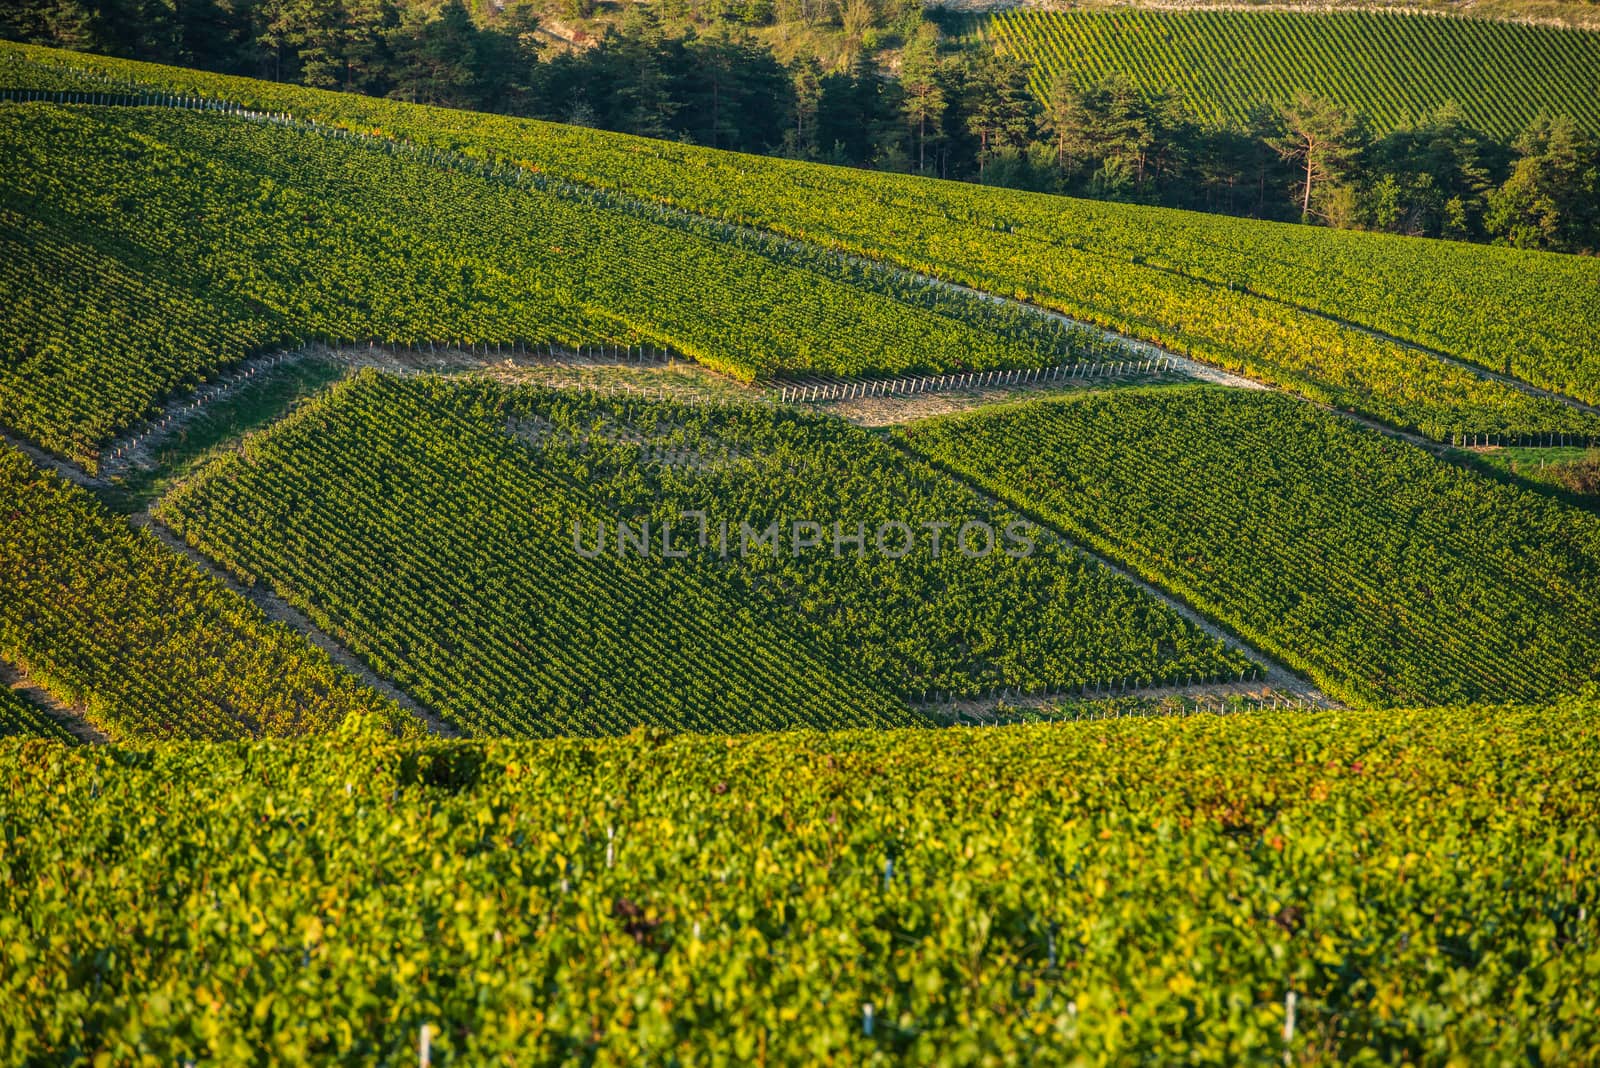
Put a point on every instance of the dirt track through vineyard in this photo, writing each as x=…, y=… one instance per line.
x=273, y=606
x=136, y=450
x=1278, y=679
x=1135, y=347
x=279, y=610
x=1169, y=700
x=71, y=719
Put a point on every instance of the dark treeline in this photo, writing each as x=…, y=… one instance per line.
x=965, y=114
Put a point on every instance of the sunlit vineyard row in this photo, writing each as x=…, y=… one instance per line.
x=112, y=622
x=1405, y=887
x=327, y=238
x=1394, y=68
x=1387, y=575
x=473, y=589
x=1237, y=292
x=452, y=570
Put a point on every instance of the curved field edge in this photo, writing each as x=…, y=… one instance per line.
x=605, y=635
x=334, y=236
x=1413, y=885
x=1385, y=574
x=108, y=620
x=1475, y=302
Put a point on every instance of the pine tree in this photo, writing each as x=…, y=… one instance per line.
x=924, y=97
x=1322, y=140
x=1000, y=109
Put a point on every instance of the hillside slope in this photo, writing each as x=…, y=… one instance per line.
x=1387, y=575
x=1391, y=67
x=450, y=488
x=205, y=237
x=115, y=625
x=1294, y=305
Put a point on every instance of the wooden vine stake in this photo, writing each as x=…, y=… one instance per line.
x=1288, y=1026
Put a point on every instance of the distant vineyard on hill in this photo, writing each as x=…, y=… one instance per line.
x=1290, y=305
x=477, y=590
x=1376, y=569
x=1394, y=68
x=144, y=643
x=208, y=236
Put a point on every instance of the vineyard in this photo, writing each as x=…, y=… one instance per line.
x=1391, y=67
x=450, y=490
x=419, y=644
x=90, y=340
x=20, y=717
x=1388, y=576
x=1292, y=305
x=324, y=237
x=112, y=623
x=1404, y=887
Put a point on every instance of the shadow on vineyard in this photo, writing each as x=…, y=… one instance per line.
x=1569, y=474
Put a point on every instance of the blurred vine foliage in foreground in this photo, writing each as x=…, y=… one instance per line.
x=1422, y=882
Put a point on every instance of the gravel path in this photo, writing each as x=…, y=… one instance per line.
x=270, y=603
x=1277, y=677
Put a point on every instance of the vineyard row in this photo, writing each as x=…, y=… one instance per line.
x=1398, y=887
x=1383, y=573
x=1102, y=263
x=905, y=387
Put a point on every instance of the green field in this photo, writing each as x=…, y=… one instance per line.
x=142, y=641
x=1420, y=885
x=1293, y=305
x=1387, y=575
x=1571, y=470
x=1391, y=67
x=418, y=690
x=91, y=340
x=469, y=589
x=259, y=233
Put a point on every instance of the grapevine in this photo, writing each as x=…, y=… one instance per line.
x=1387, y=575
